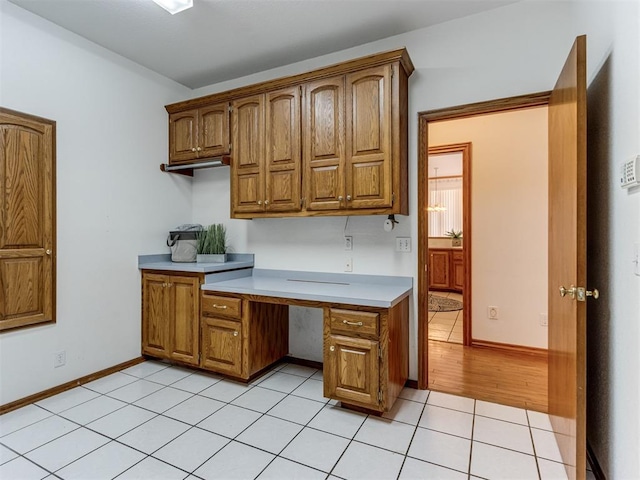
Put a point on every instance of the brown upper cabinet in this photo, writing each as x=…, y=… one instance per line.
x=328, y=142
x=199, y=133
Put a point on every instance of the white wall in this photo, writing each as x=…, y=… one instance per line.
x=457, y=62
x=113, y=203
x=509, y=215
x=613, y=323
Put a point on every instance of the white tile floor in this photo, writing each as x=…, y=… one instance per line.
x=446, y=326
x=155, y=421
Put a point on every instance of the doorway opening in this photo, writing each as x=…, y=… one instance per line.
x=508, y=272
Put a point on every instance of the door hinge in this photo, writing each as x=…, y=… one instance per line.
x=379, y=352
x=230, y=108
x=393, y=198
x=302, y=202
x=392, y=70
x=230, y=145
x=379, y=396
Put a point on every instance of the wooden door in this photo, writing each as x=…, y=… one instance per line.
x=27, y=220
x=184, y=337
x=222, y=346
x=156, y=315
x=368, y=137
x=567, y=259
x=247, y=167
x=183, y=136
x=283, y=155
x=213, y=130
x=324, y=149
x=353, y=372
x=439, y=269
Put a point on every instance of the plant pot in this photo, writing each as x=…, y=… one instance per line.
x=456, y=242
x=211, y=258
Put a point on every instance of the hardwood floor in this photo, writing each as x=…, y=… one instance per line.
x=509, y=378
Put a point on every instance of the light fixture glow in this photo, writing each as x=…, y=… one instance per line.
x=174, y=6
x=437, y=207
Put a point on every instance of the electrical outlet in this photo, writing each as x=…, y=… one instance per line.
x=59, y=359
x=544, y=320
x=348, y=243
x=348, y=265
x=403, y=244
x=492, y=312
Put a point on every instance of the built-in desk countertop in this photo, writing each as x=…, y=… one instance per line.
x=352, y=289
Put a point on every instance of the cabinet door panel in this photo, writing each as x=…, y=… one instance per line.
x=457, y=271
x=183, y=136
x=185, y=291
x=368, y=138
x=282, y=181
x=247, y=166
x=222, y=346
x=324, y=156
x=353, y=372
x=439, y=269
x=213, y=130
x=156, y=315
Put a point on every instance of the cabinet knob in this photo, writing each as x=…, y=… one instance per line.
x=235, y=334
x=340, y=198
x=332, y=348
x=193, y=149
x=266, y=202
x=199, y=149
x=259, y=202
x=48, y=251
x=348, y=198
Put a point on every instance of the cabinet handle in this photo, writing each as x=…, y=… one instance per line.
x=348, y=198
x=235, y=334
x=221, y=307
x=332, y=348
x=355, y=324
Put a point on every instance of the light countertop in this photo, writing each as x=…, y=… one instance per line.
x=163, y=262
x=366, y=290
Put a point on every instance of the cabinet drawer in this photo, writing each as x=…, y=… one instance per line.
x=354, y=322
x=457, y=256
x=217, y=305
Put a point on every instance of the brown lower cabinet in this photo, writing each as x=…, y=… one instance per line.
x=446, y=269
x=366, y=350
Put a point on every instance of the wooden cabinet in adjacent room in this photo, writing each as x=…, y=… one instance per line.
x=446, y=269
x=199, y=133
x=170, y=308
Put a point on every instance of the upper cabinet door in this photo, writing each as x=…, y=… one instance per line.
x=27, y=220
x=368, y=138
x=213, y=128
x=323, y=151
x=183, y=136
x=282, y=181
x=247, y=167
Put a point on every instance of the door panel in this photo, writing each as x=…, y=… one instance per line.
x=567, y=260
x=354, y=373
x=156, y=311
x=368, y=138
x=324, y=154
x=185, y=291
x=439, y=269
x=222, y=345
x=283, y=169
x=213, y=130
x=183, y=133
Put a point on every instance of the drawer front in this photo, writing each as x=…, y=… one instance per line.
x=458, y=256
x=216, y=305
x=354, y=322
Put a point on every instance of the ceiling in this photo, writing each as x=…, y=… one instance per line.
x=218, y=40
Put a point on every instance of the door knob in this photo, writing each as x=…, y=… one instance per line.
x=48, y=252
x=332, y=348
x=571, y=291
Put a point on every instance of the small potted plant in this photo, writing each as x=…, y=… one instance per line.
x=212, y=244
x=455, y=236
